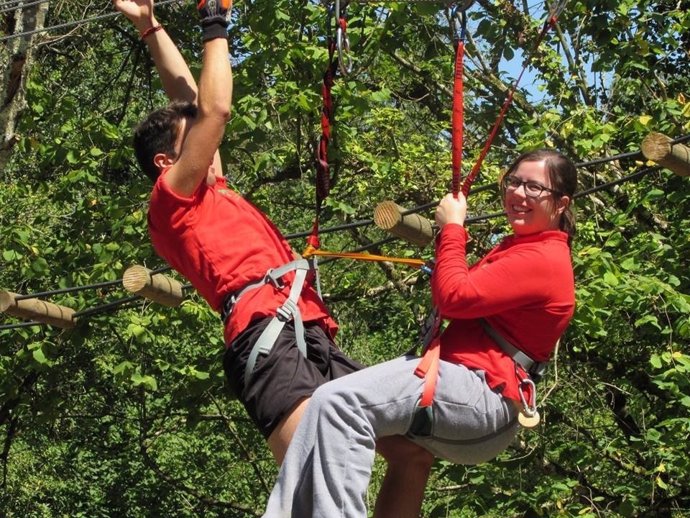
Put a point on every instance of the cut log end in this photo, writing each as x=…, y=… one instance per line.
x=135, y=278
x=38, y=310
x=413, y=228
x=157, y=287
x=387, y=215
x=660, y=149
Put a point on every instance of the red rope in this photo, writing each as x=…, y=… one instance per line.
x=323, y=177
x=458, y=117
x=467, y=184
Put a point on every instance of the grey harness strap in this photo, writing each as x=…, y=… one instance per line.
x=288, y=311
x=533, y=367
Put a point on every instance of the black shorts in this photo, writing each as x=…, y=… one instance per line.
x=284, y=376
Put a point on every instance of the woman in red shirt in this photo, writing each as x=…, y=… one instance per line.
x=506, y=311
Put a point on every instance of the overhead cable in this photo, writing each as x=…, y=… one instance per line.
x=73, y=23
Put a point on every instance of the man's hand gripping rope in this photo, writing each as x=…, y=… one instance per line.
x=214, y=16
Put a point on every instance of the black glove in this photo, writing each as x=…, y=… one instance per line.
x=214, y=18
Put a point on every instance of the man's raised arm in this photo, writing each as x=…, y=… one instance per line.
x=178, y=82
x=205, y=134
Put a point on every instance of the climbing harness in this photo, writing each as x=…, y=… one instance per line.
x=534, y=368
x=284, y=314
x=528, y=416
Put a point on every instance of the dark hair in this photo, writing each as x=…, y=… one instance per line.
x=157, y=134
x=562, y=176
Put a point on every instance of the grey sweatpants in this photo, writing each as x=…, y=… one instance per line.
x=328, y=465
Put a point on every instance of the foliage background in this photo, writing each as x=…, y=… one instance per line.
x=128, y=415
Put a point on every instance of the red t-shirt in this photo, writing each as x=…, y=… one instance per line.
x=220, y=242
x=524, y=288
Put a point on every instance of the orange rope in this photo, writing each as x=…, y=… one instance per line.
x=365, y=256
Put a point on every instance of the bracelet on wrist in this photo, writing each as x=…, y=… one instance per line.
x=150, y=30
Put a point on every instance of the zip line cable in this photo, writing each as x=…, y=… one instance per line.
x=73, y=23
x=60, y=291
x=21, y=324
x=623, y=179
x=18, y=6
x=106, y=284
x=623, y=156
x=107, y=306
x=118, y=304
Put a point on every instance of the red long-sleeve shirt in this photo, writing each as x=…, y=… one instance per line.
x=220, y=242
x=524, y=288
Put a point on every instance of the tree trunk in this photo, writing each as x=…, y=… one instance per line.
x=17, y=54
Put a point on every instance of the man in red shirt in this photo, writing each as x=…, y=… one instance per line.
x=226, y=247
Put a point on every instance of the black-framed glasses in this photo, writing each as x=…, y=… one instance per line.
x=533, y=189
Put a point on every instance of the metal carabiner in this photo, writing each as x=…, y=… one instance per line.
x=428, y=267
x=459, y=16
x=342, y=40
x=530, y=408
x=556, y=8
x=344, y=58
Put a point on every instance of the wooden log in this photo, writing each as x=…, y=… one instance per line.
x=158, y=287
x=414, y=228
x=659, y=148
x=38, y=310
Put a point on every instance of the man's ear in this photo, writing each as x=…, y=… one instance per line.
x=161, y=160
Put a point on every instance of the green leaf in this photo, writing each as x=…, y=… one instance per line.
x=123, y=367
x=647, y=319
x=11, y=255
x=146, y=381
x=40, y=357
x=611, y=279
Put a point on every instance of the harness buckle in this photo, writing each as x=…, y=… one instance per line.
x=286, y=311
x=277, y=282
x=227, y=307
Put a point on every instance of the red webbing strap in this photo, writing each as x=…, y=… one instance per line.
x=428, y=369
x=458, y=117
x=323, y=179
x=467, y=184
